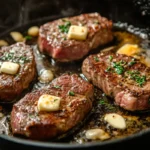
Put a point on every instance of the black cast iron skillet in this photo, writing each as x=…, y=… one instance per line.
x=20, y=14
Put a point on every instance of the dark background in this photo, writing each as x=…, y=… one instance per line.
x=18, y=12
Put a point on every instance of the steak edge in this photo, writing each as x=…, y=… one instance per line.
x=11, y=86
x=55, y=43
x=27, y=121
x=130, y=89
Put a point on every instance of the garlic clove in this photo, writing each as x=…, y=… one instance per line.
x=96, y=134
x=46, y=76
x=17, y=36
x=33, y=31
x=3, y=43
x=115, y=120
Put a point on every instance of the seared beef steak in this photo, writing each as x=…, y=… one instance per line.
x=124, y=78
x=53, y=36
x=28, y=121
x=11, y=86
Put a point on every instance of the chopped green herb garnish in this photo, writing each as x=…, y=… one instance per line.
x=108, y=69
x=57, y=86
x=23, y=59
x=71, y=93
x=119, y=69
x=55, y=100
x=122, y=63
x=110, y=57
x=28, y=37
x=65, y=28
x=96, y=59
x=133, y=72
x=14, y=58
x=106, y=104
x=7, y=56
x=131, y=63
x=31, y=116
x=102, y=102
x=139, y=79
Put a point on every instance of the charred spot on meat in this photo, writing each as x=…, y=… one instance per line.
x=122, y=77
x=55, y=40
x=17, y=70
x=75, y=103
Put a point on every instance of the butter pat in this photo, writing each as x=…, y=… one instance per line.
x=48, y=103
x=9, y=68
x=77, y=32
x=129, y=49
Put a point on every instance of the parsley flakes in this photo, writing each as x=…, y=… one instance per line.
x=96, y=59
x=65, y=28
x=57, y=86
x=71, y=93
x=137, y=77
x=119, y=69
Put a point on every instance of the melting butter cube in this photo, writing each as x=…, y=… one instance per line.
x=77, y=32
x=129, y=49
x=9, y=68
x=48, y=103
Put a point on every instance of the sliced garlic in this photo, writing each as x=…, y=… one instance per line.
x=115, y=120
x=77, y=32
x=96, y=134
x=17, y=36
x=46, y=76
x=3, y=43
x=9, y=68
x=48, y=103
x=33, y=31
x=129, y=49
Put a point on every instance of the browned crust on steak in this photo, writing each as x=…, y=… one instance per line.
x=126, y=92
x=11, y=86
x=27, y=121
x=51, y=39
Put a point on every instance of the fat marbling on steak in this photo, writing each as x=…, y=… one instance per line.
x=28, y=121
x=54, y=42
x=124, y=78
x=11, y=86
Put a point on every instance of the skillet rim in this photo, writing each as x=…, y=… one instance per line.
x=58, y=145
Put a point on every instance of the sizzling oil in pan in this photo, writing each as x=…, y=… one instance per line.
x=136, y=121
